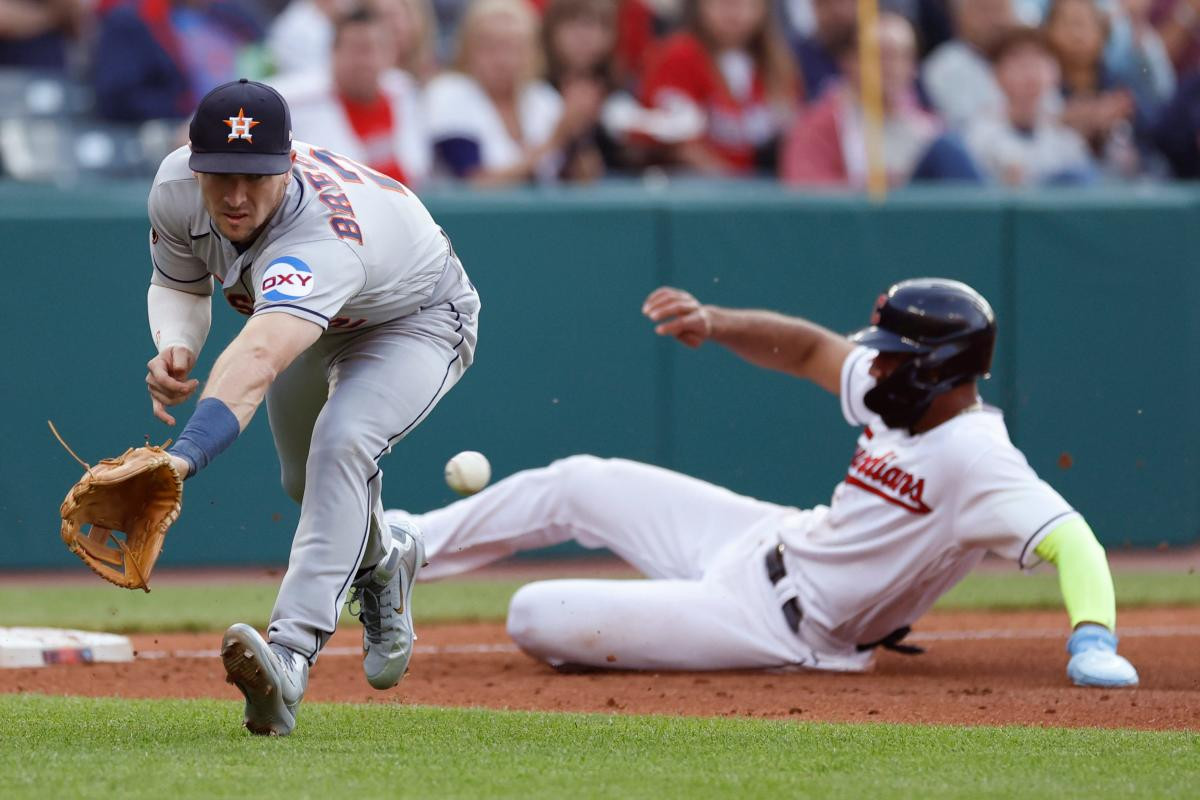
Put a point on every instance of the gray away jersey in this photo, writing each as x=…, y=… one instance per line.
x=348, y=247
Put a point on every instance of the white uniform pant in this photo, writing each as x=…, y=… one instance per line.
x=335, y=411
x=710, y=604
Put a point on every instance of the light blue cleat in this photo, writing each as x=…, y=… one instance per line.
x=1094, y=660
x=384, y=599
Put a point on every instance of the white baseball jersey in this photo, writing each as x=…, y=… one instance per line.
x=913, y=515
x=348, y=247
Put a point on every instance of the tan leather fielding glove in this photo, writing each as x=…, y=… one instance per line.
x=138, y=494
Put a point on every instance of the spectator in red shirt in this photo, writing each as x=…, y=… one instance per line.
x=729, y=80
x=361, y=106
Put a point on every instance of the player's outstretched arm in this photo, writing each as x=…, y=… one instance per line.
x=1087, y=590
x=265, y=347
x=764, y=338
x=238, y=383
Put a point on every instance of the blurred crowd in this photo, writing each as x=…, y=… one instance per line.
x=495, y=92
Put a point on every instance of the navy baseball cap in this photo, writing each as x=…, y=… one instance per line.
x=241, y=127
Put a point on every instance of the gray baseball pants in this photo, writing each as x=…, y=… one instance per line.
x=334, y=412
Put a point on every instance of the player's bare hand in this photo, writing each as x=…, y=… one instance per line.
x=679, y=314
x=167, y=380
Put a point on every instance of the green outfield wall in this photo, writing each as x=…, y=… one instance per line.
x=1098, y=298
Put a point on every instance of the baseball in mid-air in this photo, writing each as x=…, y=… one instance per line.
x=468, y=472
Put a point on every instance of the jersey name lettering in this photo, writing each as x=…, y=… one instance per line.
x=879, y=475
x=329, y=192
x=344, y=223
x=346, y=229
x=337, y=203
x=319, y=180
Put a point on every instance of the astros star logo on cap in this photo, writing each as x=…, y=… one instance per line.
x=237, y=144
x=240, y=126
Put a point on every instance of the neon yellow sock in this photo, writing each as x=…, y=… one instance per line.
x=1083, y=575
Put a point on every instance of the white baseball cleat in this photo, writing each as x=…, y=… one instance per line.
x=1094, y=660
x=272, y=678
x=384, y=598
x=1101, y=668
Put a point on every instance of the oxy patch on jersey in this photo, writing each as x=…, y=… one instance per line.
x=286, y=278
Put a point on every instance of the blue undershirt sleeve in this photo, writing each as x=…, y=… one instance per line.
x=212, y=428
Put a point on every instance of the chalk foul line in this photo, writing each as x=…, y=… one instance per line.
x=425, y=649
x=1056, y=633
x=930, y=636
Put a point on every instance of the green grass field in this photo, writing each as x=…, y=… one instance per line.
x=210, y=608
x=71, y=747
x=80, y=747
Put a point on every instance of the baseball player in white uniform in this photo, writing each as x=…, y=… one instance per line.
x=360, y=318
x=932, y=485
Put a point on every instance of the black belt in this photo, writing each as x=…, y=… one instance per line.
x=791, y=611
x=776, y=572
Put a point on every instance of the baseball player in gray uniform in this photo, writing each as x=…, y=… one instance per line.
x=360, y=318
x=932, y=486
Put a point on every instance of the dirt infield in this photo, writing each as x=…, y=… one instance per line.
x=979, y=669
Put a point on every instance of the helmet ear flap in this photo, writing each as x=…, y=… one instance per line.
x=904, y=396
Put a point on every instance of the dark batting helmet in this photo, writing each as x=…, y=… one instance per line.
x=949, y=329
